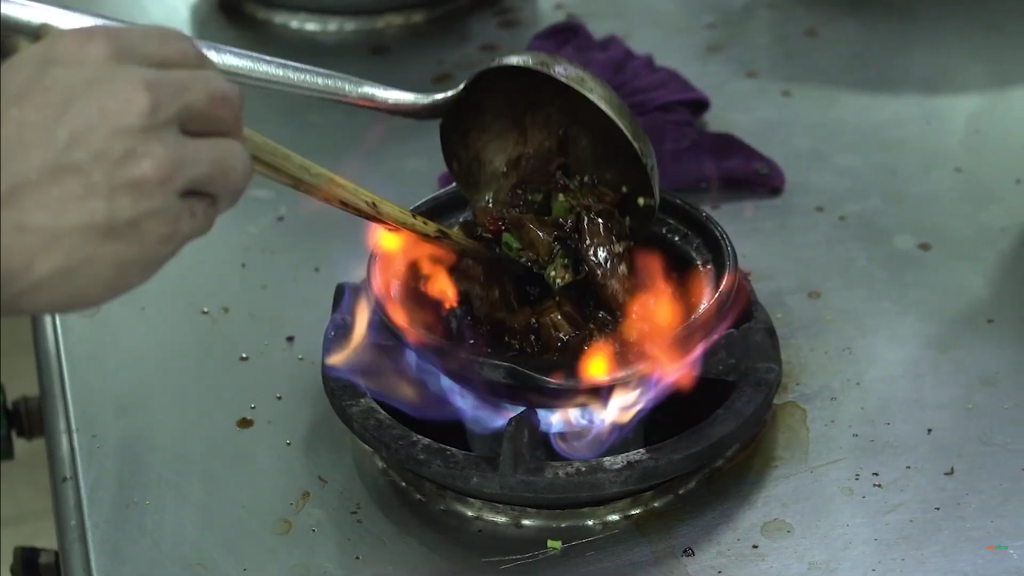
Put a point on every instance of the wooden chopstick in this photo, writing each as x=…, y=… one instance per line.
x=285, y=167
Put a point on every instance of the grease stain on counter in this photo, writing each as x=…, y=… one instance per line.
x=784, y=442
x=282, y=527
x=300, y=504
x=786, y=439
x=790, y=379
x=777, y=529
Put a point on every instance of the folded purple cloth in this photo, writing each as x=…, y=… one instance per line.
x=669, y=108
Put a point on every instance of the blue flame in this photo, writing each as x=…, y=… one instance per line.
x=393, y=373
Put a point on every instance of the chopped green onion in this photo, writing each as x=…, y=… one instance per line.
x=554, y=544
x=559, y=272
x=560, y=206
x=510, y=245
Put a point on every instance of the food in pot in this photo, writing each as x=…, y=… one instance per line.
x=568, y=231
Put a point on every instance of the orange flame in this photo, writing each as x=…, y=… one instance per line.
x=598, y=365
x=407, y=267
x=403, y=258
x=652, y=317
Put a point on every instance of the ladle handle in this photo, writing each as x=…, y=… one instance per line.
x=283, y=166
x=251, y=68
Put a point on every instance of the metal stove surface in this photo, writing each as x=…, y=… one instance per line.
x=896, y=314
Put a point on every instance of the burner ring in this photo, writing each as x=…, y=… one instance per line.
x=740, y=375
x=519, y=477
x=597, y=518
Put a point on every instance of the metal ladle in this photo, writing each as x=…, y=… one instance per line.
x=520, y=104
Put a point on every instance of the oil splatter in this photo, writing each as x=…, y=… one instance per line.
x=814, y=295
x=243, y=357
x=244, y=423
x=810, y=32
x=224, y=309
x=282, y=527
x=842, y=218
x=786, y=93
x=846, y=491
x=958, y=170
x=924, y=246
x=302, y=501
x=777, y=529
x=289, y=339
x=819, y=209
x=751, y=74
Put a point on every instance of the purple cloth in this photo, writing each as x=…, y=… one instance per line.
x=669, y=108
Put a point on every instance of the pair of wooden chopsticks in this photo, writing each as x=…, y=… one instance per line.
x=283, y=166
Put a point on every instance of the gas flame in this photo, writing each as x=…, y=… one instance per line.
x=646, y=358
x=404, y=259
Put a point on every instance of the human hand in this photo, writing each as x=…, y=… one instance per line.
x=119, y=146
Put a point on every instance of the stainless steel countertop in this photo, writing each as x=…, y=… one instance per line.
x=898, y=124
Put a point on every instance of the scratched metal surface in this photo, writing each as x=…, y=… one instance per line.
x=894, y=265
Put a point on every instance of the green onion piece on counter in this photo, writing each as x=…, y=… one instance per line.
x=510, y=245
x=554, y=544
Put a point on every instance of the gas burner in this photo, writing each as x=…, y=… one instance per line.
x=327, y=17
x=600, y=517
x=516, y=471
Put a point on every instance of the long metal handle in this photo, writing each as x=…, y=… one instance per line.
x=251, y=68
